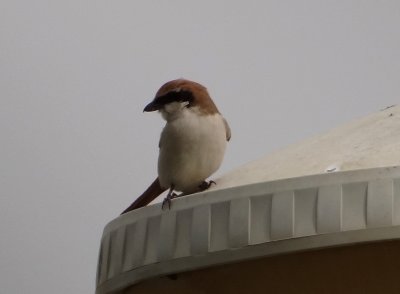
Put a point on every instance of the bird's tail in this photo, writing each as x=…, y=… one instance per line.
x=152, y=192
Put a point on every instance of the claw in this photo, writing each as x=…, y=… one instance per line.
x=167, y=200
x=205, y=185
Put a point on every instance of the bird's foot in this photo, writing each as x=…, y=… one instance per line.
x=205, y=185
x=167, y=200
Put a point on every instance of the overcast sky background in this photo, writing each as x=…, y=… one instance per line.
x=76, y=148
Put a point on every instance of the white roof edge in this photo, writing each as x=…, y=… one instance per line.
x=256, y=220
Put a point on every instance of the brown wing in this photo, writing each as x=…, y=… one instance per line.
x=152, y=192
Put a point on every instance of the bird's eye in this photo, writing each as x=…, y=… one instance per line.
x=173, y=96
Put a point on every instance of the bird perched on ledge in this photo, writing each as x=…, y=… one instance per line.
x=192, y=143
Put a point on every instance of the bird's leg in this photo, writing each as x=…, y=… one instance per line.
x=167, y=200
x=205, y=185
x=171, y=195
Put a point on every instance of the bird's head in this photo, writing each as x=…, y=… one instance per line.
x=176, y=96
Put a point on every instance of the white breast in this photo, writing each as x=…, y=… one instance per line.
x=192, y=147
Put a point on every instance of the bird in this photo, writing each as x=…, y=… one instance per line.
x=192, y=143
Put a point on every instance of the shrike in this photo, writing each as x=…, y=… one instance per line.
x=192, y=143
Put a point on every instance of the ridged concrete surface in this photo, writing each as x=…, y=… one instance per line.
x=234, y=224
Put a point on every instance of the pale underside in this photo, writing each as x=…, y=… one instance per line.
x=192, y=147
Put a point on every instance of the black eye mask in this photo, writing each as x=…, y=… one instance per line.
x=173, y=96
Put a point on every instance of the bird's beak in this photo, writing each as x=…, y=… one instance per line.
x=151, y=107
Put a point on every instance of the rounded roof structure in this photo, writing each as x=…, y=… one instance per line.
x=369, y=142
x=339, y=188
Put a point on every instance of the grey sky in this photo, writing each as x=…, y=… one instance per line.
x=76, y=148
